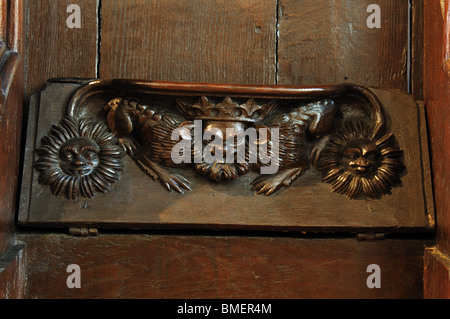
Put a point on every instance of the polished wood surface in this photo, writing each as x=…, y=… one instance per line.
x=437, y=97
x=11, y=76
x=10, y=129
x=12, y=268
x=53, y=49
x=13, y=273
x=417, y=25
x=216, y=266
x=436, y=277
x=446, y=40
x=335, y=44
x=194, y=41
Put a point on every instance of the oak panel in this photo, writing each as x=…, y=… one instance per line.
x=11, y=103
x=322, y=42
x=218, y=266
x=12, y=273
x=55, y=50
x=437, y=97
x=436, y=274
x=192, y=41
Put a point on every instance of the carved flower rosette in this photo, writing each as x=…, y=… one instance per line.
x=79, y=158
x=358, y=164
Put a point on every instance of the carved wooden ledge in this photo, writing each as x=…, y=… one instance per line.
x=148, y=154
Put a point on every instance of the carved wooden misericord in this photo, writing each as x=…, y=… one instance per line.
x=132, y=154
x=278, y=132
x=357, y=155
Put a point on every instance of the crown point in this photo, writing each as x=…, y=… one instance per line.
x=227, y=110
x=204, y=100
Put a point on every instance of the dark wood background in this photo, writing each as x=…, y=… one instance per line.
x=239, y=41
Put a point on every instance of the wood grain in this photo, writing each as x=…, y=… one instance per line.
x=12, y=273
x=54, y=50
x=10, y=130
x=436, y=274
x=324, y=42
x=16, y=26
x=183, y=266
x=4, y=20
x=437, y=97
x=417, y=40
x=446, y=39
x=11, y=74
x=193, y=41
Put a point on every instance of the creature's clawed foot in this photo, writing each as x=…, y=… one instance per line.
x=170, y=181
x=174, y=182
x=129, y=145
x=271, y=184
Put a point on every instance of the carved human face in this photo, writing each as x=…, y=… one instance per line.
x=79, y=156
x=223, y=134
x=361, y=157
x=219, y=140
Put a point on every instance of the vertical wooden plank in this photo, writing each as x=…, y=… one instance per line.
x=322, y=42
x=437, y=100
x=193, y=41
x=11, y=76
x=54, y=49
x=3, y=20
x=12, y=269
x=15, y=26
x=10, y=130
x=13, y=273
x=436, y=277
x=417, y=16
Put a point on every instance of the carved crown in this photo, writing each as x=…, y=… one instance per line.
x=227, y=110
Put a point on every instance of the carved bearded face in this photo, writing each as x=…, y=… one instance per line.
x=219, y=141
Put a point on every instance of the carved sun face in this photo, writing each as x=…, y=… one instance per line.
x=361, y=157
x=79, y=158
x=357, y=165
